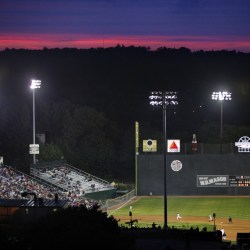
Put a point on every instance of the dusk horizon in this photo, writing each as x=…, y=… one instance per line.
x=38, y=42
x=196, y=25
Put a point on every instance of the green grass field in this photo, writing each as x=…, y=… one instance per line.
x=223, y=207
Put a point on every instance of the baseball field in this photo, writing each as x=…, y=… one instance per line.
x=194, y=211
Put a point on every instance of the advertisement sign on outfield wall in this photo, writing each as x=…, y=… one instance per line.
x=212, y=180
x=149, y=145
x=174, y=146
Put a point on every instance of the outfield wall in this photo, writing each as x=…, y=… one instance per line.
x=199, y=175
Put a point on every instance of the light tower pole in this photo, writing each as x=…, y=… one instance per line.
x=221, y=96
x=163, y=99
x=35, y=84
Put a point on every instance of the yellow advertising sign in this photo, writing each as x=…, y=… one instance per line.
x=137, y=135
x=149, y=145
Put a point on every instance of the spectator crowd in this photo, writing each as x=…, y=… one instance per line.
x=13, y=183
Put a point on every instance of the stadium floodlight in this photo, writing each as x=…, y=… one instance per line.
x=221, y=96
x=35, y=84
x=162, y=99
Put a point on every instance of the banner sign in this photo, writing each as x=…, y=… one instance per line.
x=212, y=180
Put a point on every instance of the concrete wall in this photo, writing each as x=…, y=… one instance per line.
x=150, y=174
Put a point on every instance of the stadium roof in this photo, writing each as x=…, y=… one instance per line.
x=31, y=203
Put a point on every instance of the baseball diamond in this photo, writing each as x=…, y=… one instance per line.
x=195, y=211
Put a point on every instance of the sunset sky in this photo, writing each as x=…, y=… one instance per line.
x=195, y=24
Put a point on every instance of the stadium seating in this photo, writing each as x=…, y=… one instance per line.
x=13, y=183
x=71, y=179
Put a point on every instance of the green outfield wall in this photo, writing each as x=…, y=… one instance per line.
x=194, y=174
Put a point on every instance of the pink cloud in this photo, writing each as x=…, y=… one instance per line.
x=34, y=41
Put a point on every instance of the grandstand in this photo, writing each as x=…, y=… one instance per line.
x=13, y=183
x=69, y=178
x=72, y=186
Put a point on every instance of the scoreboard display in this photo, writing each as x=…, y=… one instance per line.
x=239, y=181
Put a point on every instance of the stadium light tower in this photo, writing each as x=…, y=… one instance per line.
x=162, y=99
x=35, y=84
x=221, y=96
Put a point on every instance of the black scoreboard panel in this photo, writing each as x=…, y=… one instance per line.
x=239, y=181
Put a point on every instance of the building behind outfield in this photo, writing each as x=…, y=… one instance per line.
x=193, y=174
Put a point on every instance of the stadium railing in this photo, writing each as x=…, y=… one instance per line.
x=118, y=200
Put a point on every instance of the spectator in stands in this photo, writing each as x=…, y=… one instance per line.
x=56, y=197
x=13, y=183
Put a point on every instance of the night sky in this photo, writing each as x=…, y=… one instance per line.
x=195, y=24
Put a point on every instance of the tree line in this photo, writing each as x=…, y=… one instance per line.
x=90, y=99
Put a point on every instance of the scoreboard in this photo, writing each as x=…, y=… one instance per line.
x=239, y=181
